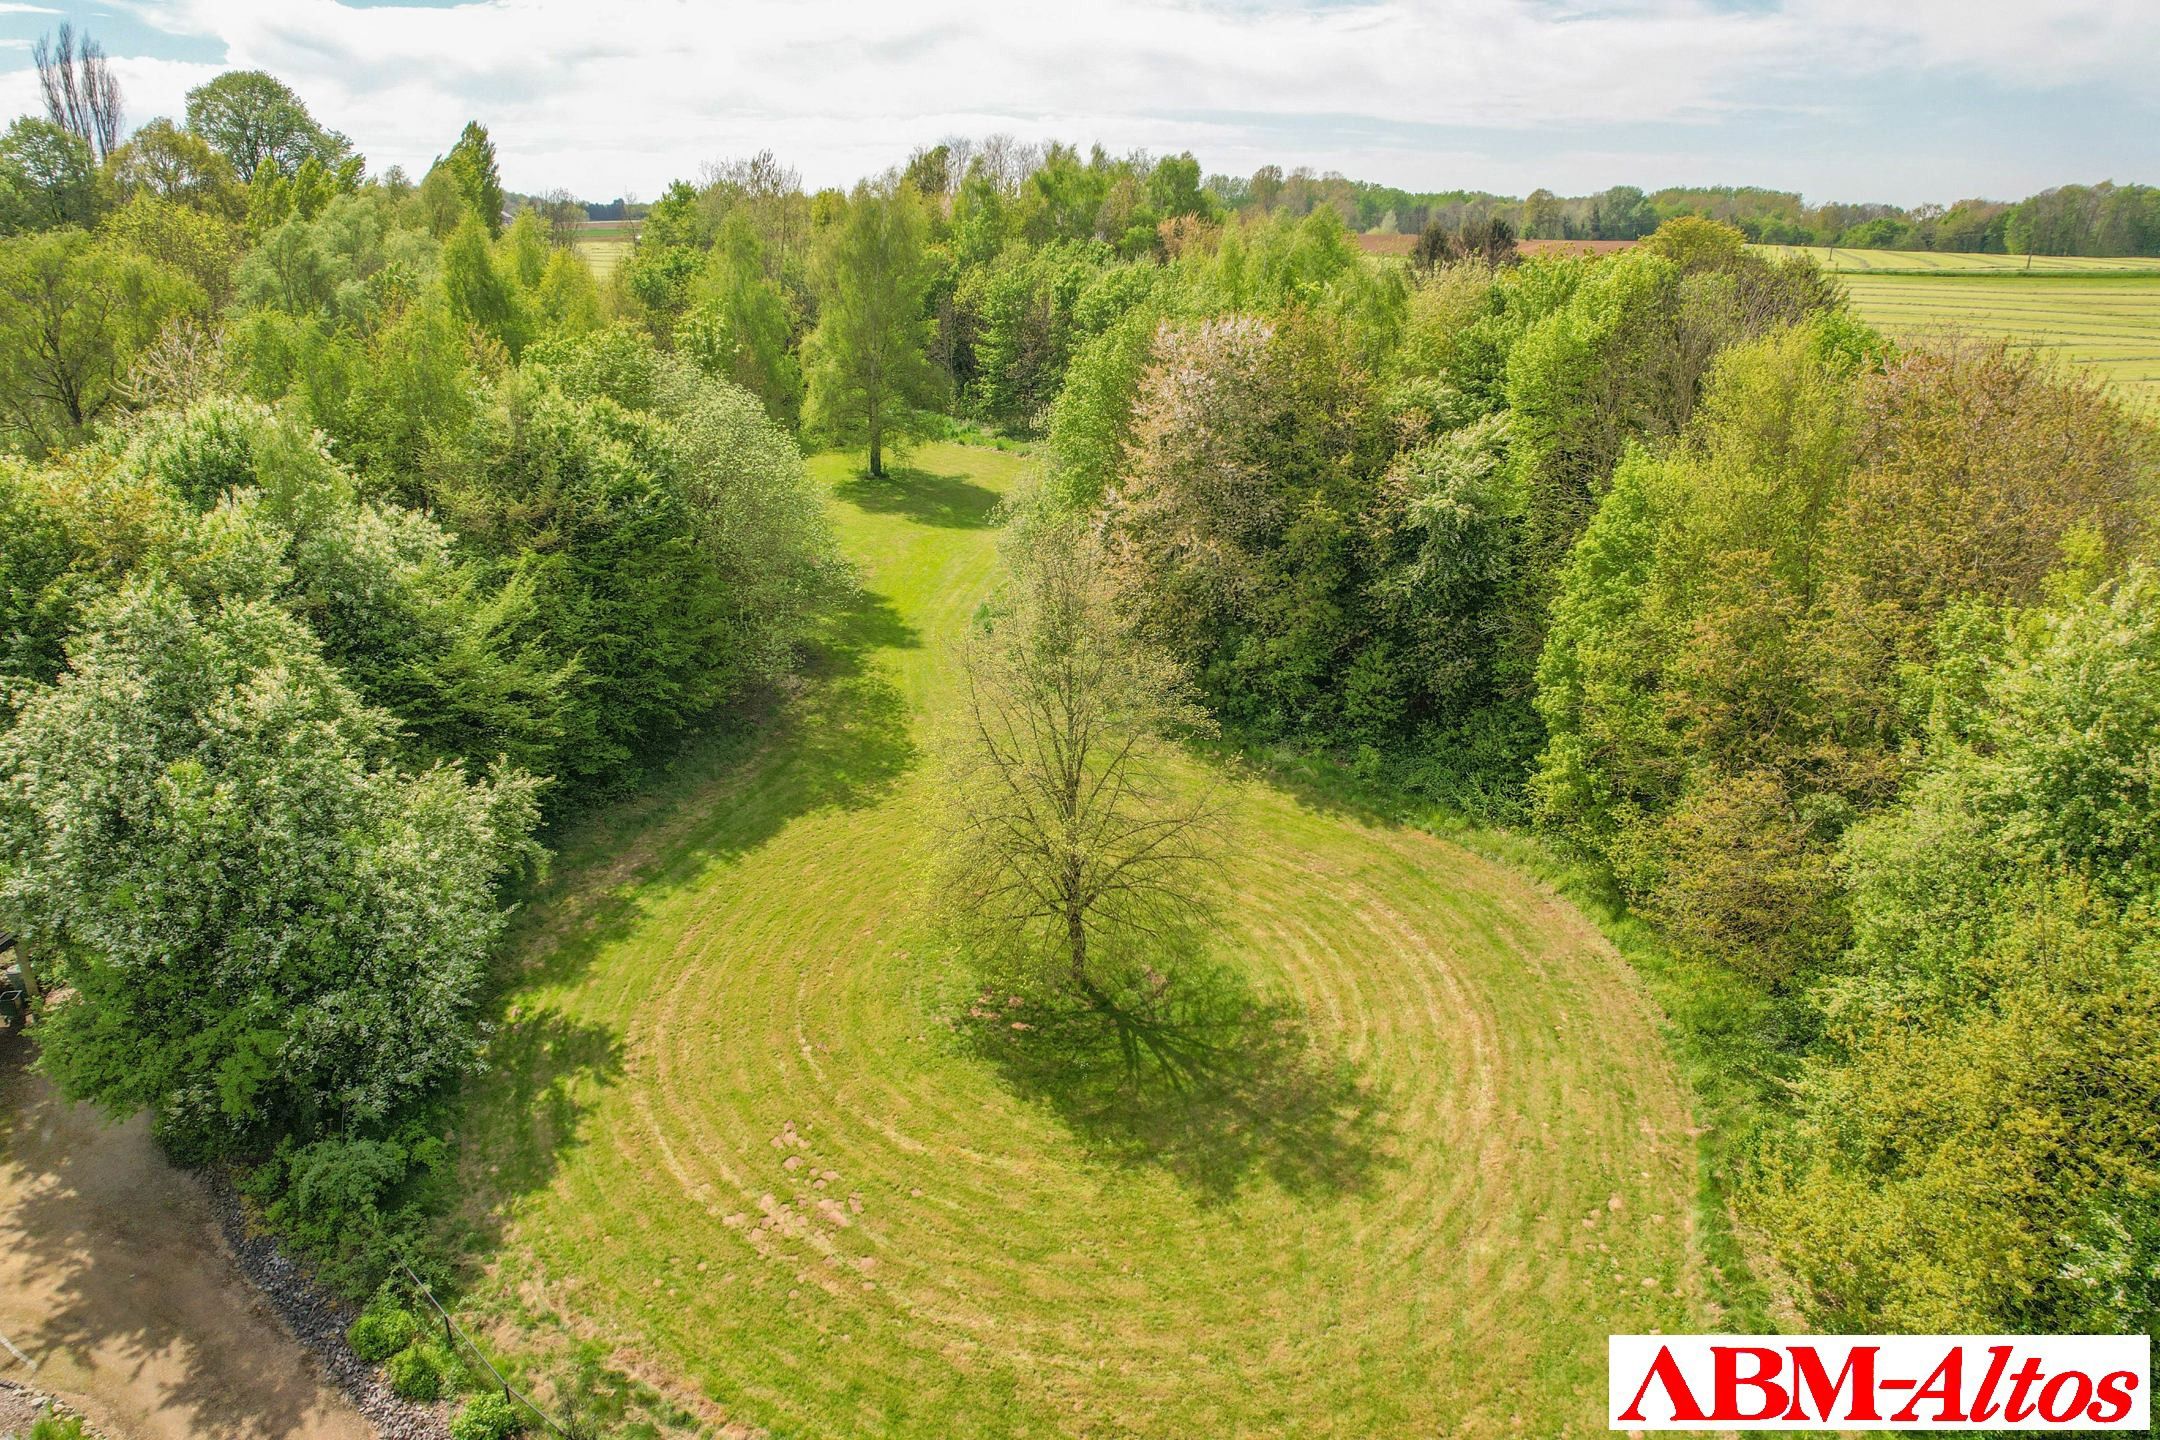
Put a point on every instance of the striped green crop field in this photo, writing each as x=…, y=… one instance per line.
x=604, y=244
x=2109, y=326
x=1847, y=261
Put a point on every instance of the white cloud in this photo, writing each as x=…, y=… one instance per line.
x=2059, y=42
x=622, y=95
x=630, y=92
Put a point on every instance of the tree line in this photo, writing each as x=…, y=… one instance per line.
x=1835, y=656
x=346, y=544
x=2100, y=219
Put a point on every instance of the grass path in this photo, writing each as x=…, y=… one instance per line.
x=726, y=1142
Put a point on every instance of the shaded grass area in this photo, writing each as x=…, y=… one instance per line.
x=1213, y=1080
x=921, y=496
x=1398, y=1167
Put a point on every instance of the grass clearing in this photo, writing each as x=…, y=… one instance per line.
x=726, y=1141
x=604, y=244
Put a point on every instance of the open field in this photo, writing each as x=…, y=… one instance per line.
x=1374, y=243
x=1845, y=260
x=2109, y=326
x=2098, y=312
x=727, y=1130
x=604, y=243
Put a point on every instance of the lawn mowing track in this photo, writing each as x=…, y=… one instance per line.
x=727, y=1137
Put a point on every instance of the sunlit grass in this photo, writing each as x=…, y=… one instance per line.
x=730, y=1140
x=1846, y=260
x=2108, y=326
x=604, y=245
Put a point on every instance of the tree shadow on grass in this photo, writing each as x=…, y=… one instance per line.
x=847, y=738
x=950, y=501
x=1204, y=1077
x=547, y=1068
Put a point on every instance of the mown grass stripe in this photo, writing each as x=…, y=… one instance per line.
x=746, y=942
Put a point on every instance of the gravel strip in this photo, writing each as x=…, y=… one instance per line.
x=318, y=1322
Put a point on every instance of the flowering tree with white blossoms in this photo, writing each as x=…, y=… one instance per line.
x=263, y=926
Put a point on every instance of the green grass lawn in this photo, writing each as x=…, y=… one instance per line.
x=728, y=1143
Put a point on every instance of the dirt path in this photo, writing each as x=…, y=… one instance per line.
x=113, y=1280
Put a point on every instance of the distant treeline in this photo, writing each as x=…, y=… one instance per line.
x=616, y=209
x=2103, y=219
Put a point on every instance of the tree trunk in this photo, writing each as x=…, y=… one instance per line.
x=29, y=971
x=1076, y=943
x=877, y=456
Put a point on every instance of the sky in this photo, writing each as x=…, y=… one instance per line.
x=1875, y=100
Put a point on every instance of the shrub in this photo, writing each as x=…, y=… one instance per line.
x=487, y=1417
x=414, y=1374
x=383, y=1329
x=49, y=1426
x=270, y=932
x=347, y=1205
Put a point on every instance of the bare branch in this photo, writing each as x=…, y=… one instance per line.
x=1069, y=832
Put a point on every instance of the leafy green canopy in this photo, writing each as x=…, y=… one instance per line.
x=1728, y=677
x=254, y=119
x=662, y=526
x=76, y=312
x=870, y=379
x=1979, y=1142
x=267, y=924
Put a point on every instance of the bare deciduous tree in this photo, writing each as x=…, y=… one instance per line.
x=1077, y=843
x=187, y=361
x=565, y=216
x=81, y=93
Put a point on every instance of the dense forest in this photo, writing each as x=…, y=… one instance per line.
x=353, y=533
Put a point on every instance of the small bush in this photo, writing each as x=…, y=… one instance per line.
x=382, y=1330
x=49, y=1426
x=487, y=1417
x=414, y=1374
x=351, y=1206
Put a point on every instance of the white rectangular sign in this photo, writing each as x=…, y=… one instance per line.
x=1879, y=1382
